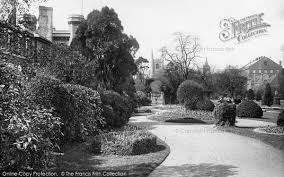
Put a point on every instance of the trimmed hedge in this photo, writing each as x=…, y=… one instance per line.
x=117, y=109
x=248, y=108
x=225, y=114
x=189, y=93
x=205, y=105
x=280, y=119
x=78, y=107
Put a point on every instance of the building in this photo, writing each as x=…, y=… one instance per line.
x=156, y=67
x=261, y=71
x=206, y=68
x=46, y=29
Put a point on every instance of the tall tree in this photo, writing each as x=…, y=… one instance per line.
x=110, y=51
x=281, y=83
x=230, y=81
x=267, y=97
x=184, y=54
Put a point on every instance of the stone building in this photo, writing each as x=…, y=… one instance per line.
x=46, y=29
x=263, y=70
x=156, y=67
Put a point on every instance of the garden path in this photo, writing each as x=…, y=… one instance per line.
x=202, y=150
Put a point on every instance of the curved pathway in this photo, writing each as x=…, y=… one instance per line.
x=201, y=150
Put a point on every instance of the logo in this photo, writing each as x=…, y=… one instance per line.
x=243, y=29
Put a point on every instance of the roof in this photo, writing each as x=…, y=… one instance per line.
x=265, y=63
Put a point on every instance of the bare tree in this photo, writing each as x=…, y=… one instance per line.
x=184, y=54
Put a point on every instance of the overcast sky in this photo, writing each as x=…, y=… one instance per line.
x=153, y=22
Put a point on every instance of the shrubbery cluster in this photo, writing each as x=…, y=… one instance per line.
x=78, y=107
x=225, y=114
x=142, y=99
x=205, y=105
x=28, y=131
x=248, y=108
x=189, y=93
x=117, y=108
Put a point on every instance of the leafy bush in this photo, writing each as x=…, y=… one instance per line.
x=142, y=99
x=79, y=107
x=249, y=108
x=205, y=105
x=250, y=94
x=189, y=93
x=280, y=119
x=225, y=114
x=28, y=132
x=268, y=97
x=124, y=143
x=121, y=108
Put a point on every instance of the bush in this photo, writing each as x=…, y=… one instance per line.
x=142, y=99
x=121, y=108
x=268, y=98
x=125, y=143
x=280, y=119
x=78, y=107
x=249, y=108
x=205, y=105
x=189, y=93
x=28, y=131
x=225, y=114
x=250, y=94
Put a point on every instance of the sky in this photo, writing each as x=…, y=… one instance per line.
x=153, y=22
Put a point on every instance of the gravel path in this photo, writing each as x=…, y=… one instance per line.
x=201, y=150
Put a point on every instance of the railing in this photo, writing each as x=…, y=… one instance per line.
x=15, y=40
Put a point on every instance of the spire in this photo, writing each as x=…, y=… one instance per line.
x=206, y=62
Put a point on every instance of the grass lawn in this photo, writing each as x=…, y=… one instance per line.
x=80, y=158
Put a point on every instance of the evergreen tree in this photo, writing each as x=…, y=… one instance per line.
x=268, y=98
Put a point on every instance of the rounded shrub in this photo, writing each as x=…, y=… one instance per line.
x=280, y=119
x=189, y=93
x=225, y=114
x=205, y=105
x=78, y=107
x=142, y=99
x=121, y=107
x=248, y=108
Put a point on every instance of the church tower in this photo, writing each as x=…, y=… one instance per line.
x=206, y=67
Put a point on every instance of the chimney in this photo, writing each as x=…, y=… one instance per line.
x=45, y=22
x=74, y=21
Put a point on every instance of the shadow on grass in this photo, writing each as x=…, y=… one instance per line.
x=203, y=169
x=186, y=120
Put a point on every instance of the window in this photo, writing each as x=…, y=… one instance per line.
x=265, y=71
x=253, y=71
x=271, y=71
x=259, y=71
x=277, y=71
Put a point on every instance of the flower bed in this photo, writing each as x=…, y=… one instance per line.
x=271, y=130
x=181, y=113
